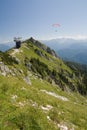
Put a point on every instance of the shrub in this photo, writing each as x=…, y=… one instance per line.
x=40, y=67
x=7, y=59
x=4, y=88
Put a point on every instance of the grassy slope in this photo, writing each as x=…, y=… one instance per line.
x=24, y=107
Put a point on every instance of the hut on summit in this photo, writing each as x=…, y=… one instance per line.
x=18, y=42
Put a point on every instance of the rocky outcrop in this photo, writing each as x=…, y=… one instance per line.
x=52, y=52
x=43, y=47
x=4, y=70
x=38, y=52
x=27, y=80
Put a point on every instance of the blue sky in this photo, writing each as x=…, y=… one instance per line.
x=34, y=18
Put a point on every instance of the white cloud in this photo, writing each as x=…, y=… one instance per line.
x=5, y=41
x=75, y=37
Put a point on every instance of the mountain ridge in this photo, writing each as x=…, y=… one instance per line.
x=39, y=91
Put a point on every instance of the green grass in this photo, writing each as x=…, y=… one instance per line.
x=21, y=104
x=13, y=115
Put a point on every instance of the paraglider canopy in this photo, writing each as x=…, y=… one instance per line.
x=56, y=25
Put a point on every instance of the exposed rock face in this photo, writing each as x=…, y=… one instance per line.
x=32, y=40
x=17, y=60
x=52, y=52
x=55, y=95
x=43, y=47
x=38, y=52
x=27, y=80
x=4, y=70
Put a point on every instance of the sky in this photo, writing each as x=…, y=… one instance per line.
x=34, y=18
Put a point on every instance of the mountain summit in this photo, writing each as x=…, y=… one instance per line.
x=38, y=91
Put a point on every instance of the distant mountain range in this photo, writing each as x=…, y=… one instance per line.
x=6, y=46
x=69, y=49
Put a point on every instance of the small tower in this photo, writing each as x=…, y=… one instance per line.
x=17, y=41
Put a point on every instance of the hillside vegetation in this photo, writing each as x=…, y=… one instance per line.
x=38, y=91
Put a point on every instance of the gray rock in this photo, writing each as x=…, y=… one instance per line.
x=38, y=52
x=27, y=80
x=4, y=69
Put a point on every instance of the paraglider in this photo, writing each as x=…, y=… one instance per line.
x=56, y=25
